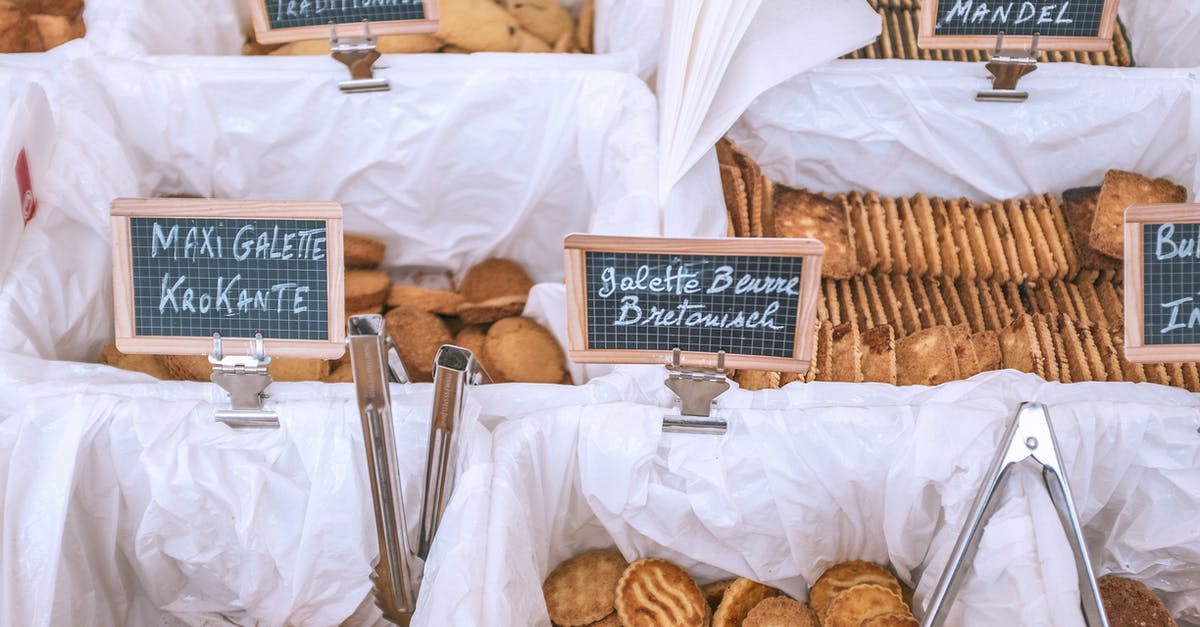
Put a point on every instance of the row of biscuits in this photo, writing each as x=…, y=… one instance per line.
x=901, y=23
x=476, y=26
x=39, y=25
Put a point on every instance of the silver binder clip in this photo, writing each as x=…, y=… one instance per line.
x=1007, y=67
x=455, y=368
x=245, y=378
x=359, y=54
x=1029, y=435
x=394, y=579
x=697, y=389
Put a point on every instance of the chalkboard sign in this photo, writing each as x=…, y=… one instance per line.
x=1162, y=283
x=184, y=269
x=635, y=300
x=279, y=21
x=1059, y=24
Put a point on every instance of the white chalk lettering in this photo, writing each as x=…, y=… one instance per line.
x=1028, y=12
x=1167, y=247
x=163, y=241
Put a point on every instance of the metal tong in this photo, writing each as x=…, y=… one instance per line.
x=1029, y=435
x=394, y=579
x=454, y=369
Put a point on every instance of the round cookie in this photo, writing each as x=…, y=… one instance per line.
x=435, y=301
x=366, y=289
x=655, y=592
x=495, y=278
x=417, y=335
x=491, y=310
x=894, y=619
x=739, y=599
x=861, y=603
x=360, y=251
x=519, y=349
x=472, y=338
x=56, y=30
x=715, y=591
x=844, y=576
x=546, y=19
x=608, y=621
x=65, y=8
x=408, y=44
x=477, y=26
x=528, y=42
x=754, y=380
x=780, y=611
x=1129, y=603
x=582, y=590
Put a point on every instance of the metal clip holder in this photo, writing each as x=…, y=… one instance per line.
x=697, y=389
x=455, y=368
x=245, y=378
x=1029, y=435
x=1007, y=67
x=358, y=54
x=395, y=587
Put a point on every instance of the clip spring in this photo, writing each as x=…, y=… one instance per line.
x=245, y=378
x=697, y=389
x=358, y=54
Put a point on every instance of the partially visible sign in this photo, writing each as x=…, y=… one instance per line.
x=1162, y=283
x=25, y=188
x=184, y=269
x=1059, y=24
x=278, y=21
x=635, y=300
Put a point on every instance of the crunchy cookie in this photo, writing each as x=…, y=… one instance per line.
x=608, y=621
x=926, y=358
x=341, y=374
x=861, y=603
x=471, y=337
x=366, y=289
x=547, y=19
x=877, y=218
x=417, y=335
x=1129, y=603
x=845, y=576
x=736, y=204
x=780, y=611
x=585, y=25
x=582, y=590
x=823, y=356
x=435, y=301
x=739, y=599
x=148, y=364
x=477, y=26
x=799, y=213
x=655, y=592
x=492, y=310
x=754, y=380
x=18, y=33
x=408, y=44
x=495, y=278
x=298, y=369
x=964, y=352
x=519, y=349
x=1119, y=191
x=360, y=252
x=846, y=358
x=879, y=354
x=56, y=30
x=1019, y=347
x=188, y=367
x=892, y=619
x=715, y=591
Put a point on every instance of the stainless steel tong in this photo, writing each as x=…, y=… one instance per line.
x=1028, y=435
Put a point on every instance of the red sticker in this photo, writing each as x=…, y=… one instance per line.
x=25, y=188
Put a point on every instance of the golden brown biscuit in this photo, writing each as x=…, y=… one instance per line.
x=495, y=278
x=845, y=576
x=1119, y=191
x=879, y=354
x=654, y=592
x=492, y=310
x=799, y=213
x=582, y=589
x=360, y=252
x=780, y=611
x=715, y=591
x=366, y=289
x=417, y=335
x=860, y=603
x=926, y=358
x=18, y=33
x=546, y=19
x=341, y=374
x=585, y=26
x=56, y=30
x=892, y=619
x=608, y=621
x=477, y=26
x=1019, y=347
x=519, y=349
x=435, y=301
x=823, y=356
x=964, y=352
x=148, y=364
x=846, y=358
x=1079, y=211
x=739, y=599
x=528, y=42
x=408, y=44
x=754, y=380
x=65, y=8
x=188, y=367
x=298, y=369
x=1129, y=603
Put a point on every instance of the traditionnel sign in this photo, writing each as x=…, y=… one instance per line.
x=1162, y=283
x=1060, y=24
x=184, y=269
x=635, y=300
x=279, y=21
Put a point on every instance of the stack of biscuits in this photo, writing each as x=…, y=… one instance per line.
x=484, y=315
x=901, y=23
x=476, y=26
x=39, y=25
x=921, y=291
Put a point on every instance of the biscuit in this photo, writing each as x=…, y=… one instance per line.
x=417, y=336
x=477, y=26
x=799, y=213
x=547, y=19
x=1110, y=355
x=1191, y=374
x=877, y=218
x=879, y=312
x=1091, y=304
x=932, y=289
x=901, y=262
x=585, y=26
x=519, y=349
x=434, y=301
x=1119, y=191
x=754, y=380
x=1112, y=304
x=1128, y=602
x=864, y=240
x=608, y=621
x=341, y=374
x=847, y=361
x=582, y=590
x=929, y=234
x=1016, y=297
x=188, y=367
x=56, y=30
x=298, y=369
x=968, y=295
x=1023, y=241
x=833, y=305
x=742, y=596
x=1045, y=338
x=925, y=313
x=956, y=225
x=946, y=240
x=654, y=592
x=407, y=44
x=976, y=239
x=958, y=313
x=366, y=289
x=490, y=311
x=851, y=312
x=844, y=576
x=893, y=619
x=987, y=350
x=1017, y=271
x=736, y=203
x=495, y=278
x=1075, y=359
x=910, y=318
x=715, y=591
x=964, y=352
x=919, y=263
x=18, y=33
x=926, y=358
x=753, y=180
x=65, y=8
x=994, y=245
x=861, y=603
x=879, y=355
x=1005, y=314
x=471, y=337
x=768, y=207
x=308, y=47
x=1057, y=240
x=1019, y=347
x=780, y=611
x=823, y=356
x=1047, y=263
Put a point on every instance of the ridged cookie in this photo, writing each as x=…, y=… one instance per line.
x=654, y=593
x=582, y=590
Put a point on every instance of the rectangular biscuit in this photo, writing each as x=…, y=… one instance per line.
x=874, y=303
x=1111, y=303
x=1014, y=300
x=895, y=232
x=851, y=312
x=911, y=319
x=1046, y=263
x=1026, y=256
x=1043, y=297
x=918, y=264
x=946, y=242
x=964, y=352
x=879, y=354
x=922, y=211
x=921, y=299
x=800, y=213
x=987, y=350
x=823, y=356
x=1046, y=344
x=1091, y=351
x=958, y=314
x=1109, y=354
x=1076, y=360
x=933, y=291
x=981, y=260
x=880, y=231
x=864, y=239
x=1056, y=241
x=1070, y=246
x=926, y=358
x=1191, y=377
x=1119, y=191
x=994, y=244
x=735, y=200
x=968, y=295
x=1008, y=239
x=1005, y=313
x=1019, y=348
x=1066, y=304
x=832, y=303
x=846, y=359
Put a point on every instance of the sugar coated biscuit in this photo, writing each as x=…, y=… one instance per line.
x=844, y=576
x=360, y=252
x=860, y=603
x=739, y=599
x=780, y=611
x=1129, y=603
x=366, y=289
x=654, y=592
x=582, y=590
x=715, y=591
x=892, y=619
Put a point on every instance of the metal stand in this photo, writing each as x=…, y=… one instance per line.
x=1007, y=67
x=454, y=369
x=697, y=389
x=245, y=378
x=358, y=54
x=1029, y=435
x=394, y=579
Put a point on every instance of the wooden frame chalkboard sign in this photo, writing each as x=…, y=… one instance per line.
x=1162, y=283
x=281, y=21
x=185, y=268
x=634, y=300
x=1060, y=24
